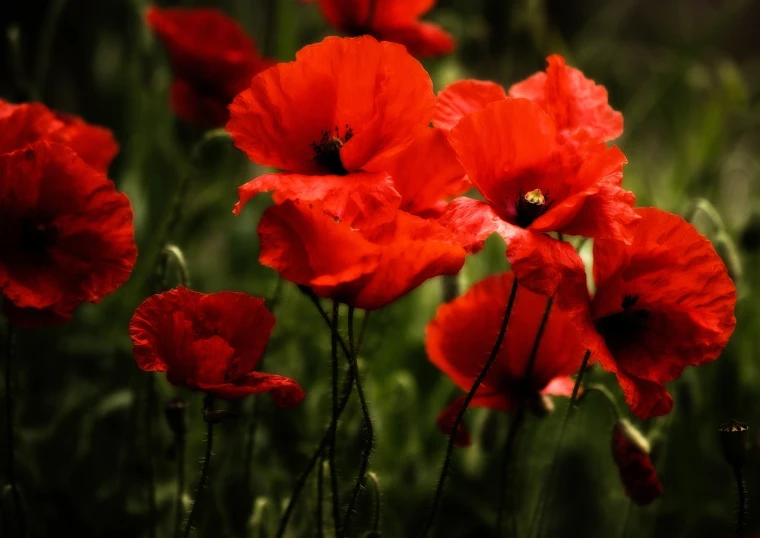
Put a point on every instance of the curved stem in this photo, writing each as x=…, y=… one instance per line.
x=334, y=420
x=204, y=470
x=369, y=431
x=10, y=434
x=376, y=505
x=362, y=330
x=179, y=509
x=537, y=519
x=460, y=415
x=320, y=495
x=346, y=395
x=251, y=443
x=741, y=491
x=537, y=341
x=150, y=413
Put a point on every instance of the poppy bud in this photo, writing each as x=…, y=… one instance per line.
x=216, y=416
x=175, y=412
x=734, y=440
x=630, y=450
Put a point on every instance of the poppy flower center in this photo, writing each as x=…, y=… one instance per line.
x=624, y=328
x=531, y=205
x=327, y=150
x=37, y=236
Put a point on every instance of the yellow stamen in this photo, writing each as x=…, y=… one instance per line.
x=535, y=197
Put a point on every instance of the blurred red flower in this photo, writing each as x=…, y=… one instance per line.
x=463, y=332
x=533, y=184
x=344, y=106
x=24, y=124
x=212, y=58
x=367, y=266
x=661, y=303
x=577, y=105
x=66, y=235
x=631, y=454
x=390, y=20
x=209, y=342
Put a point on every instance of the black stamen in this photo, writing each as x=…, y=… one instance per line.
x=327, y=150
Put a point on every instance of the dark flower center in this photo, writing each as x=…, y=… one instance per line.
x=624, y=328
x=327, y=150
x=531, y=205
x=37, y=236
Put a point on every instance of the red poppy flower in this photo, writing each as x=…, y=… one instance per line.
x=578, y=107
x=631, y=454
x=209, y=342
x=66, y=235
x=390, y=20
x=344, y=106
x=460, y=339
x=533, y=186
x=367, y=267
x=661, y=303
x=427, y=174
x=212, y=57
x=24, y=124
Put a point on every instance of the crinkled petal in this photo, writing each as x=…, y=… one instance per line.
x=377, y=90
x=357, y=198
x=463, y=97
x=285, y=392
x=573, y=101
x=498, y=144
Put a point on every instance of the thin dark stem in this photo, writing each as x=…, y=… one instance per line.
x=509, y=446
x=537, y=340
x=741, y=490
x=150, y=413
x=537, y=520
x=10, y=435
x=369, y=431
x=314, y=299
x=320, y=495
x=47, y=35
x=204, y=470
x=179, y=510
x=334, y=420
x=376, y=504
x=362, y=330
x=346, y=395
x=251, y=442
x=460, y=416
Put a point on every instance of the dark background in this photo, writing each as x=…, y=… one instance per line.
x=685, y=74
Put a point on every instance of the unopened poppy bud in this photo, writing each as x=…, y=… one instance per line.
x=630, y=450
x=216, y=416
x=734, y=440
x=175, y=412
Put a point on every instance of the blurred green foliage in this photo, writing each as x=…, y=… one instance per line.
x=686, y=75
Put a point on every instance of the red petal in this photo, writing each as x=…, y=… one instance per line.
x=376, y=89
x=498, y=144
x=427, y=173
x=357, y=198
x=88, y=250
x=374, y=266
x=285, y=392
x=460, y=339
x=573, y=101
x=464, y=97
x=672, y=273
x=597, y=205
x=560, y=386
x=471, y=222
x=21, y=125
x=421, y=39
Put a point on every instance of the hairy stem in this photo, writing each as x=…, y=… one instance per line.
x=320, y=494
x=204, y=470
x=334, y=420
x=369, y=431
x=741, y=491
x=460, y=416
